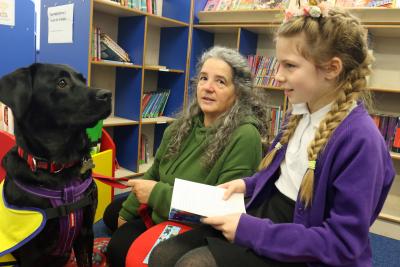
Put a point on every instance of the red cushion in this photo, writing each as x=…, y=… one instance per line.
x=7, y=141
x=142, y=245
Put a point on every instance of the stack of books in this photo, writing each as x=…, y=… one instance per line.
x=105, y=48
x=389, y=126
x=149, y=6
x=263, y=69
x=153, y=103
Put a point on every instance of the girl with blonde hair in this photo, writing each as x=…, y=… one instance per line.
x=327, y=175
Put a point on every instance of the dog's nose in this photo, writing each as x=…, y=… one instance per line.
x=103, y=95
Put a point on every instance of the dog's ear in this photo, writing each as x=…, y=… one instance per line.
x=16, y=90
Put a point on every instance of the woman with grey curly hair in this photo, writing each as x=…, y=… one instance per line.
x=216, y=140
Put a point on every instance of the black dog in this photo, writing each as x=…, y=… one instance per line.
x=52, y=108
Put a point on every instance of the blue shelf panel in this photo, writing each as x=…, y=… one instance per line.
x=198, y=6
x=17, y=43
x=173, y=47
x=158, y=134
x=177, y=9
x=75, y=54
x=201, y=41
x=126, y=140
x=131, y=37
x=176, y=83
x=127, y=93
x=248, y=42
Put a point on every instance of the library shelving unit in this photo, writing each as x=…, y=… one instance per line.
x=158, y=48
x=21, y=33
x=252, y=32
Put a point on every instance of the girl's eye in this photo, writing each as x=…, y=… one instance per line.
x=288, y=65
x=61, y=83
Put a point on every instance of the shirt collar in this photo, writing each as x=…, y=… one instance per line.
x=316, y=117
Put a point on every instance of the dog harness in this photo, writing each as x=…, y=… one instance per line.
x=67, y=204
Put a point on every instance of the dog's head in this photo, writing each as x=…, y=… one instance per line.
x=50, y=100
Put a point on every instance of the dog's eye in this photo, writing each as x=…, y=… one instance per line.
x=61, y=83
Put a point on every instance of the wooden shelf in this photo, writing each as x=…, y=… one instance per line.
x=157, y=120
x=158, y=68
x=115, y=9
x=268, y=29
x=384, y=30
x=384, y=90
x=241, y=16
x=117, y=121
x=389, y=16
x=116, y=64
x=270, y=87
x=395, y=156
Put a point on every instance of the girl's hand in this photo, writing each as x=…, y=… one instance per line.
x=226, y=224
x=142, y=189
x=235, y=186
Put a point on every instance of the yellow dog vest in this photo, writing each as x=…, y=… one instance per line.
x=17, y=226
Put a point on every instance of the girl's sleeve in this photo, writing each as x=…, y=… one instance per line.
x=362, y=176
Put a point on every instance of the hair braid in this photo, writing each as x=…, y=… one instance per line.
x=287, y=133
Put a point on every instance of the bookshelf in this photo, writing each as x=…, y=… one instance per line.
x=158, y=48
x=252, y=32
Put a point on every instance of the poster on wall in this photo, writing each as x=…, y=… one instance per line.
x=7, y=12
x=60, y=22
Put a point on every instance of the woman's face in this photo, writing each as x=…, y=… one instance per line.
x=215, y=90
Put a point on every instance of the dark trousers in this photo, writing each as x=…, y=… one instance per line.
x=123, y=236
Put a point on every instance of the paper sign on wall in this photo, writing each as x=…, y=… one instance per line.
x=60, y=21
x=7, y=12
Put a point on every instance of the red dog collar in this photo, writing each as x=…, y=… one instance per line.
x=40, y=163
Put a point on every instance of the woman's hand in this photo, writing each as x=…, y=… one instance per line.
x=121, y=221
x=142, y=189
x=235, y=186
x=226, y=224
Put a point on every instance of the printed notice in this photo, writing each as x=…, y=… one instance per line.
x=7, y=12
x=60, y=24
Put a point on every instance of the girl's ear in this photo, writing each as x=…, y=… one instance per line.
x=333, y=68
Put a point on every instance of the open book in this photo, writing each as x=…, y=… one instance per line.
x=192, y=201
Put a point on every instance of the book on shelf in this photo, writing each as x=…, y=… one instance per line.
x=105, y=48
x=211, y=5
x=153, y=103
x=388, y=127
x=264, y=69
x=192, y=201
x=144, y=154
x=365, y=3
x=396, y=137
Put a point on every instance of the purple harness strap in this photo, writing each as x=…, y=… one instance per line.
x=69, y=225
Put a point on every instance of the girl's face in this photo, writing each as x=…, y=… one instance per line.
x=303, y=81
x=215, y=90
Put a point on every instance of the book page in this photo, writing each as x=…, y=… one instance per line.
x=204, y=200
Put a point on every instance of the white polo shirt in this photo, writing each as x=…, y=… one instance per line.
x=295, y=163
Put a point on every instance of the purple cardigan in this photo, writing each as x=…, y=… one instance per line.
x=352, y=179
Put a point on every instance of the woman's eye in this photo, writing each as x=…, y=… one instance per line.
x=203, y=78
x=222, y=82
x=62, y=83
x=288, y=65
